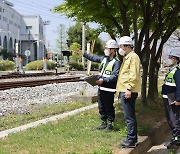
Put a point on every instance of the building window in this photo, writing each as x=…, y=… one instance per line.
x=0, y=9
x=28, y=27
x=15, y=24
x=4, y=19
x=10, y=22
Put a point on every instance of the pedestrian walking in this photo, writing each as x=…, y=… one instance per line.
x=106, y=80
x=171, y=97
x=128, y=86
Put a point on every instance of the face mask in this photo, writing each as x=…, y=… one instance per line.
x=121, y=52
x=106, y=52
x=169, y=62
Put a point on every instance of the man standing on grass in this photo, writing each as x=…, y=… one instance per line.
x=171, y=97
x=106, y=80
x=128, y=86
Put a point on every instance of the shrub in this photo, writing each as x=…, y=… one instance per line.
x=6, y=65
x=51, y=65
x=76, y=66
x=95, y=66
x=38, y=65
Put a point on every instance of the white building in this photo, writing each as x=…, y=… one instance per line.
x=10, y=21
x=32, y=36
x=27, y=30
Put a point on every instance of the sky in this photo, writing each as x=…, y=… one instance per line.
x=43, y=8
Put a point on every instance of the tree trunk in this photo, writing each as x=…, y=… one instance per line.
x=152, y=68
x=156, y=79
x=145, y=66
x=151, y=80
x=144, y=83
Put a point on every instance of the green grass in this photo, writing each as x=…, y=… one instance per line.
x=76, y=134
x=42, y=111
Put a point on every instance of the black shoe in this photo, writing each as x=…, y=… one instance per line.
x=128, y=144
x=173, y=144
x=109, y=127
x=102, y=126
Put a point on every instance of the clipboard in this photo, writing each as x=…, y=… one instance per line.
x=171, y=98
x=91, y=80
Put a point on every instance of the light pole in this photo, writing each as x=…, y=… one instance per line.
x=17, y=47
x=83, y=43
x=45, y=23
x=0, y=53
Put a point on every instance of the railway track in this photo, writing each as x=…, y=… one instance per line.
x=15, y=75
x=33, y=83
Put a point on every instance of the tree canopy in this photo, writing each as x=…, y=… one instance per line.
x=75, y=35
x=147, y=21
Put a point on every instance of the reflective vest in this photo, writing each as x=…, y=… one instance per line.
x=106, y=72
x=169, y=79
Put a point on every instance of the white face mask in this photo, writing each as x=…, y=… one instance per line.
x=106, y=52
x=169, y=62
x=121, y=52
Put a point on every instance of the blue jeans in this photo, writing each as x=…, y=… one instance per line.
x=128, y=106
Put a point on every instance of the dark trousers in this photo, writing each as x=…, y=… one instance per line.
x=105, y=105
x=128, y=106
x=173, y=117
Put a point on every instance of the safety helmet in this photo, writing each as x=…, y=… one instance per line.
x=111, y=44
x=125, y=40
x=174, y=53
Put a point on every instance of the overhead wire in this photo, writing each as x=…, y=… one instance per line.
x=35, y=4
x=32, y=7
x=47, y=15
x=45, y=12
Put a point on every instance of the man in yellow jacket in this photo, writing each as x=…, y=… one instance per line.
x=128, y=86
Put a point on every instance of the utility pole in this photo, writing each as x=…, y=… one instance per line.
x=83, y=43
x=88, y=62
x=45, y=23
x=61, y=43
x=1, y=58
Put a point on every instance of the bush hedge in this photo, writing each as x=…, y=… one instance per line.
x=6, y=65
x=38, y=65
x=76, y=66
x=79, y=67
x=95, y=66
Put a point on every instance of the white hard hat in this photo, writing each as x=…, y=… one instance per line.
x=125, y=40
x=175, y=53
x=111, y=44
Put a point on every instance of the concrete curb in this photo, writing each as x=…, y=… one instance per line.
x=44, y=121
x=146, y=142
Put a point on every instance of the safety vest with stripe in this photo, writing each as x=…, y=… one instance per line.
x=106, y=72
x=169, y=79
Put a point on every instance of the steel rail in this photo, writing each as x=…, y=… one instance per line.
x=33, y=83
x=11, y=76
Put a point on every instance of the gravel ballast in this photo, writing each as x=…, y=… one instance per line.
x=21, y=100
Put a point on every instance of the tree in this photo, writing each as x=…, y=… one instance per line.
x=75, y=57
x=61, y=40
x=75, y=35
x=147, y=20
